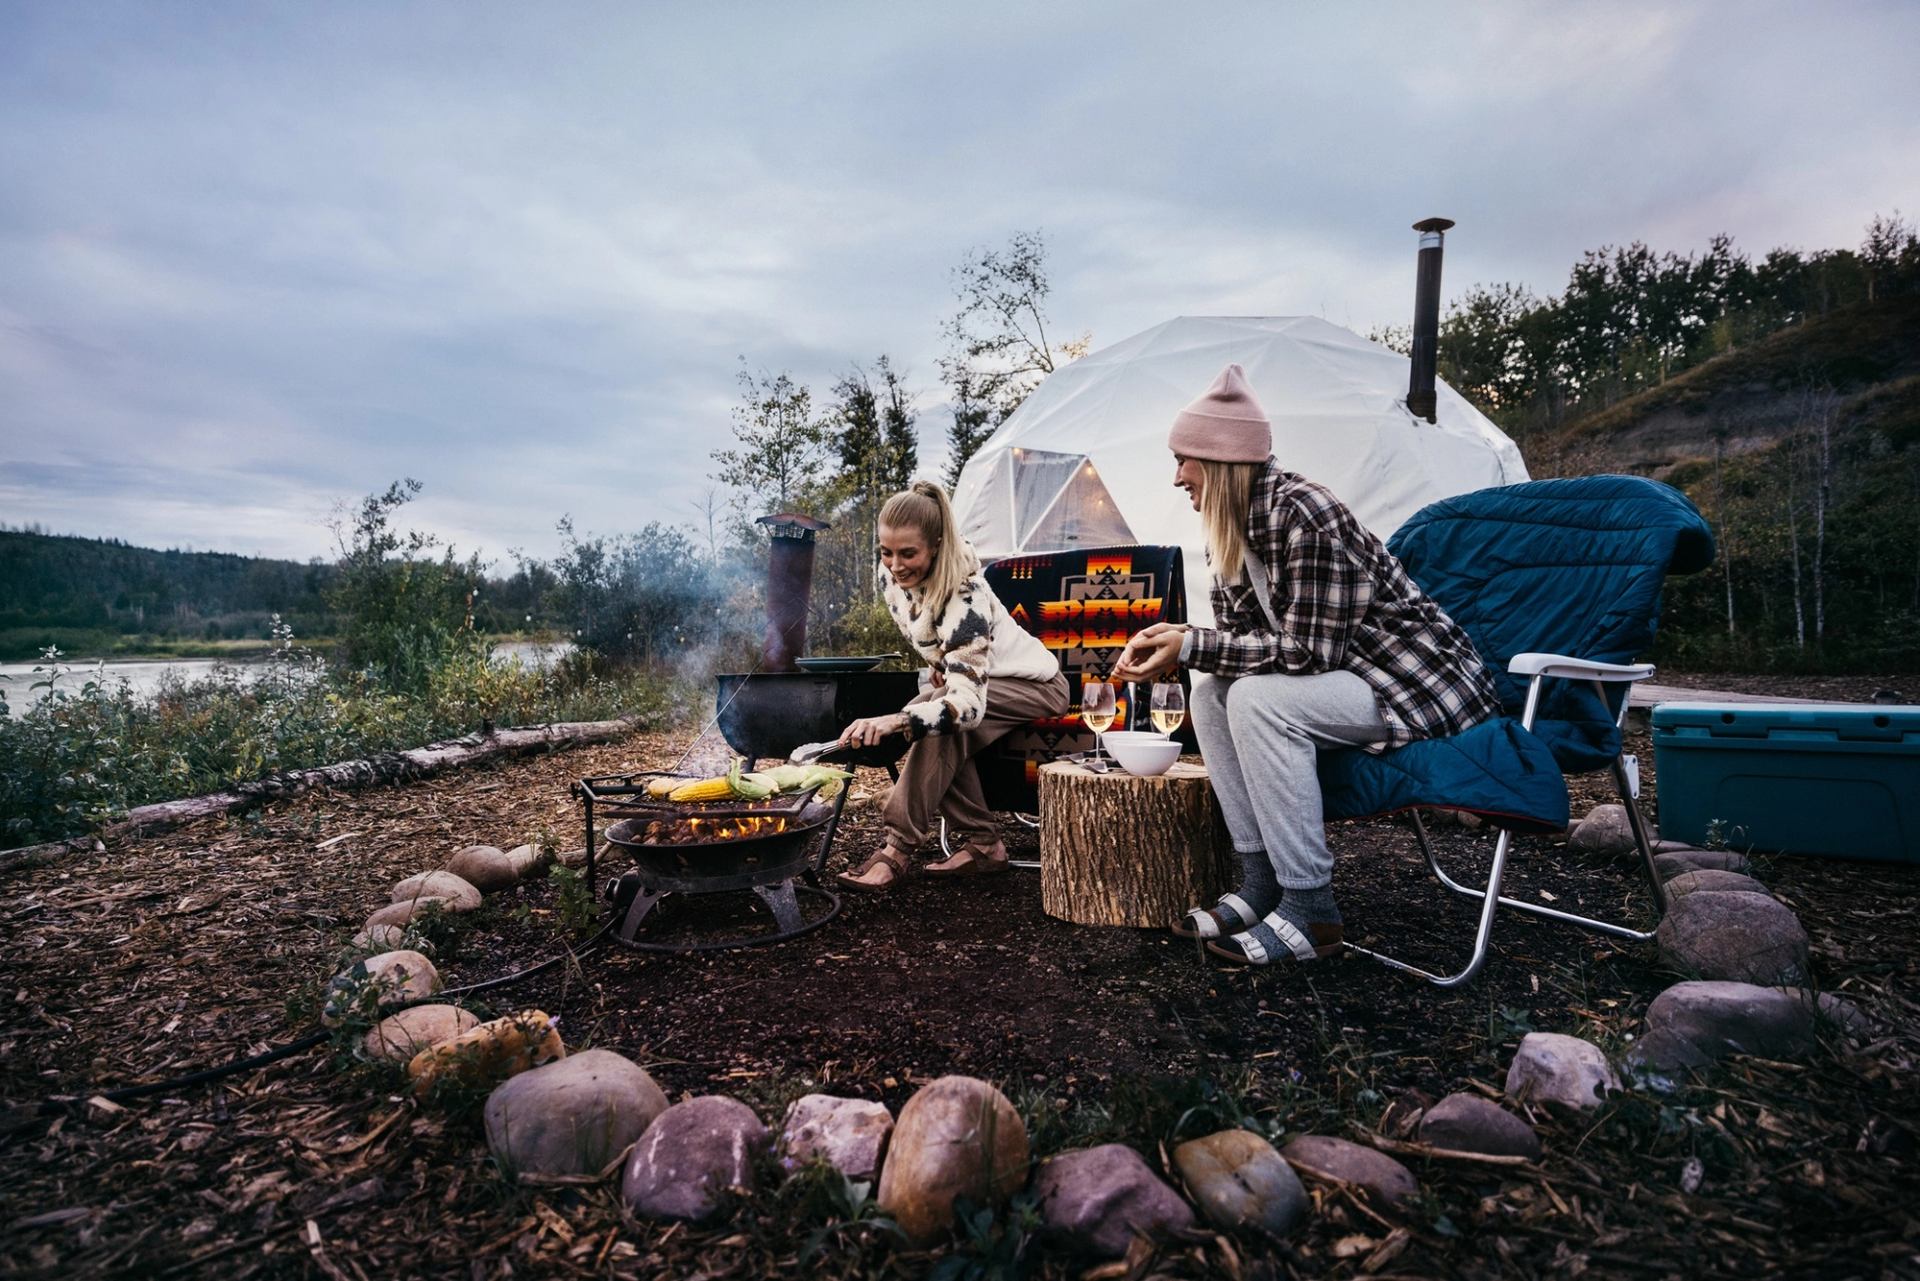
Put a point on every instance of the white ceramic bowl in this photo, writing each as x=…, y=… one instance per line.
x=1140, y=752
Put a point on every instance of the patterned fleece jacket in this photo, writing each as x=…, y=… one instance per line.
x=972, y=641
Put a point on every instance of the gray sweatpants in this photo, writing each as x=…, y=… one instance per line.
x=1259, y=736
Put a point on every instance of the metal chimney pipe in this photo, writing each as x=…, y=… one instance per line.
x=1421, y=400
x=789, y=587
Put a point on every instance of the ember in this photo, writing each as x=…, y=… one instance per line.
x=694, y=831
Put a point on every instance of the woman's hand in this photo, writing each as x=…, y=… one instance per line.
x=868, y=731
x=1152, y=653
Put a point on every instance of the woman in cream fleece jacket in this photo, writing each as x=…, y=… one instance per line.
x=989, y=676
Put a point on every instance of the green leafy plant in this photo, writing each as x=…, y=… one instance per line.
x=574, y=902
x=993, y=1244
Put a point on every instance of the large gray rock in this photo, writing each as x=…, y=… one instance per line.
x=1384, y=1179
x=398, y=1037
x=691, y=1156
x=573, y=1116
x=1604, y=830
x=1683, y=859
x=1239, y=1181
x=956, y=1136
x=1553, y=1068
x=485, y=867
x=361, y=989
x=1693, y=1025
x=459, y=895
x=1711, y=880
x=1469, y=1123
x=1736, y=935
x=848, y=1134
x=401, y=914
x=1101, y=1198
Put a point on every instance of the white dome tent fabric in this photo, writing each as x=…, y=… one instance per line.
x=1083, y=462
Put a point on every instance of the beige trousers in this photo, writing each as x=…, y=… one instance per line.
x=937, y=775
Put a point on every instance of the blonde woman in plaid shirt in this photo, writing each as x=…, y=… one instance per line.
x=1320, y=640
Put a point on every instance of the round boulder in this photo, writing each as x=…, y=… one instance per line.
x=1675, y=862
x=484, y=1055
x=381, y=938
x=1709, y=879
x=528, y=861
x=692, y=1155
x=1469, y=1123
x=1100, y=1199
x=1239, y=1181
x=459, y=895
x=1691, y=1025
x=1384, y=1179
x=848, y=1134
x=956, y=1136
x=401, y=914
x=398, y=1037
x=1552, y=1068
x=484, y=867
x=360, y=990
x=1734, y=934
x=573, y=1116
x=1605, y=830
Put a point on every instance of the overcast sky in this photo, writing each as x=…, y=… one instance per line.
x=257, y=258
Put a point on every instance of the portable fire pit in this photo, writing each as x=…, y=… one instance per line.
x=776, y=848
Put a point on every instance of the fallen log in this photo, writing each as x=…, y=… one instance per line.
x=386, y=769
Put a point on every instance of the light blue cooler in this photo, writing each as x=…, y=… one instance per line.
x=1841, y=780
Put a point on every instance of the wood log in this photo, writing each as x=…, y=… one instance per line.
x=1116, y=849
x=387, y=768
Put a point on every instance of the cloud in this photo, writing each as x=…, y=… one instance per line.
x=249, y=267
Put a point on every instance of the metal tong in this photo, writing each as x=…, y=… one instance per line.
x=808, y=753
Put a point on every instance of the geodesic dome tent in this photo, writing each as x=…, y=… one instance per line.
x=1084, y=461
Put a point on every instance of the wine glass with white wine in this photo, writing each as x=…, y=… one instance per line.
x=1099, y=703
x=1168, y=706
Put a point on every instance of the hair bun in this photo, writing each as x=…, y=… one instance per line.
x=927, y=489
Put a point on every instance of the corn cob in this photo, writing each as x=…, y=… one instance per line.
x=704, y=789
x=660, y=788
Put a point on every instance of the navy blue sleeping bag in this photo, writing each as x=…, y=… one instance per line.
x=1570, y=567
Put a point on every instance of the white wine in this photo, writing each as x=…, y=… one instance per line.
x=1167, y=720
x=1098, y=722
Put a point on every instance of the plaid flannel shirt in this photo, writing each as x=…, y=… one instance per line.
x=1343, y=604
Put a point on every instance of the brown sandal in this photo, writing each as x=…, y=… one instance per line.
x=849, y=879
x=978, y=863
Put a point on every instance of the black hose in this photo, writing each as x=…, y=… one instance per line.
x=321, y=1035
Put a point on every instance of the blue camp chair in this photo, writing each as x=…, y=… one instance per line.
x=1558, y=584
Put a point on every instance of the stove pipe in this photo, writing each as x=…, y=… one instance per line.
x=789, y=587
x=1421, y=401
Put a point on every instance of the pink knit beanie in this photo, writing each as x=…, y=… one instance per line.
x=1225, y=425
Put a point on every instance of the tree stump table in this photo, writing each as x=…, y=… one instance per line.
x=1116, y=849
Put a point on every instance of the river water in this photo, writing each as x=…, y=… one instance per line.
x=145, y=677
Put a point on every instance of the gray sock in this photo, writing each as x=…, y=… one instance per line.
x=1257, y=885
x=1310, y=907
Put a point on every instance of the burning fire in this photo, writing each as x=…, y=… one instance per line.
x=732, y=829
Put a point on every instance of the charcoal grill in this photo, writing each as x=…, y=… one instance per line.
x=780, y=864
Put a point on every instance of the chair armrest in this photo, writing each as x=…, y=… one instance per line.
x=1571, y=668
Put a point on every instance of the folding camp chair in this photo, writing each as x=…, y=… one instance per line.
x=1084, y=605
x=1558, y=584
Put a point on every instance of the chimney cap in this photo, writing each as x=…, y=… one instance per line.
x=1433, y=224
x=792, y=524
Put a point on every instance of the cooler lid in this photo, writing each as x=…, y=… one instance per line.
x=1830, y=722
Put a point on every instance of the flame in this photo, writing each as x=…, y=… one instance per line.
x=734, y=829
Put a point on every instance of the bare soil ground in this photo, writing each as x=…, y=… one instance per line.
x=167, y=955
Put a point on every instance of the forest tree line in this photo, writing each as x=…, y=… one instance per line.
x=1804, y=456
